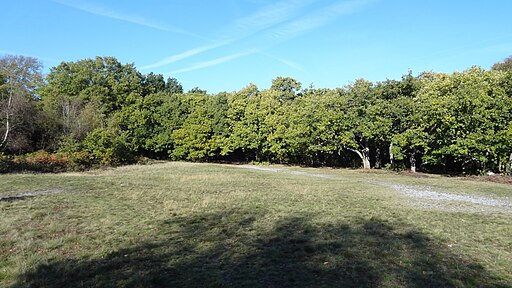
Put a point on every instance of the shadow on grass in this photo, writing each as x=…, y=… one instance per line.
x=228, y=250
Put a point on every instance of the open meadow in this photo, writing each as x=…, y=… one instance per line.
x=175, y=224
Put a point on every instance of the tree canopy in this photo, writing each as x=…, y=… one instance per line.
x=99, y=111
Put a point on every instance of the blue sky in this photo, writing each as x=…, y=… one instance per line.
x=224, y=45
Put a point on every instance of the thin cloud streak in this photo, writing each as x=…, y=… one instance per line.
x=317, y=19
x=184, y=55
x=134, y=19
x=267, y=17
x=211, y=63
x=271, y=16
x=284, y=61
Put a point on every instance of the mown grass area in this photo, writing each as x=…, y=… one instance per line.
x=211, y=225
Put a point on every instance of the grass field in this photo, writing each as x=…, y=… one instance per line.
x=212, y=225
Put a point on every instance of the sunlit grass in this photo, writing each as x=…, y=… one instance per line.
x=182, y=224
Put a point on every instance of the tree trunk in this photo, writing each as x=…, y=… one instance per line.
x=377, y=158
x=509, y=166
x=364, y=155
x=413, y=162
x=391, y=156
x=7, y=123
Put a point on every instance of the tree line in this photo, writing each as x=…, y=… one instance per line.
x=102, y=112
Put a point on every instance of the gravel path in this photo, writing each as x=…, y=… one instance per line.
x=23, y=195
x=424, y=197
x=427, y=193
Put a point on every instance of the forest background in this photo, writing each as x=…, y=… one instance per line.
x=99, y=111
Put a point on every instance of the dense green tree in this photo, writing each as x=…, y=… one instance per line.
x=197, y=90
x=151, y=120
x=244, y=124
x=503, y=143
x=397, y=104
x=461, y=114
x=102, y=83
x=287, y=88
x=217, y=107
x=104, y=112
x=154, y=83
x=316, y=126
x=173, y=86
x=203, y=134
x=363, y=121
x=168, y=116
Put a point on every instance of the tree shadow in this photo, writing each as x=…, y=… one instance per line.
x=230, y=249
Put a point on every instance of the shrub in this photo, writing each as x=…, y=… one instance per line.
x=108, y=147
x=41, y=161
x=5, y=163
x=80, y=160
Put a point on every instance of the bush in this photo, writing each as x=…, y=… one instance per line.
x=80, y=160
x=108, y=147
x=42, y=161
x=5, y=163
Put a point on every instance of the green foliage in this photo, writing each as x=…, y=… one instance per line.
x=244, y=123
x=155, y=83
x=102, y=112
x=172, y=86
x=5, y=163
x=462, y=113
x=287, y=88
x=197, y=90
x=204, y=131
x=82, y=95
x=107, y=147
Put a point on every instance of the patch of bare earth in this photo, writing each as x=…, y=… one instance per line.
x=28, y=194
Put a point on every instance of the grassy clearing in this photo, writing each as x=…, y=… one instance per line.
x=197, y=225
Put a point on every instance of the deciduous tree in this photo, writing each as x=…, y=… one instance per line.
x=19, y=78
